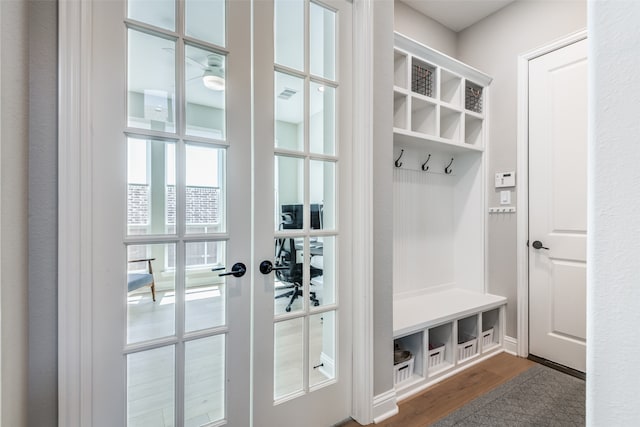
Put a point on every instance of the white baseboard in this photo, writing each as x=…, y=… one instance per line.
x=511, y=345
x=384, y=406
x=328, y=368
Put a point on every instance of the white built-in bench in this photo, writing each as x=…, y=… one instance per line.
x=446, y=332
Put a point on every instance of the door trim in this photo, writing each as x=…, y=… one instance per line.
x=362, y=395
x=75, y=213
x=522, y=226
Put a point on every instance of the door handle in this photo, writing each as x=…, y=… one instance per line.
x=267, y=267
x=237, y=270
x=538, y=245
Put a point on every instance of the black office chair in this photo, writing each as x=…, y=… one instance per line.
x=286, y=257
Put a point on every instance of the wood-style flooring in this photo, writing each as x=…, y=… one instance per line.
x=453, y=393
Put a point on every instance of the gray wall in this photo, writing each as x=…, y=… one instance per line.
x=382, y=197
x=43, y=209
x=14, y=113
x=493, y=46
x=419, y=27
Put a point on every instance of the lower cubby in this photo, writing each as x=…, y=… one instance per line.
x=412, y=368
x=490, y=336
x=439, y=348
x=467, y=337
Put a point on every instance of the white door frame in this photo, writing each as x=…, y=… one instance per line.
x=522, y=254
x=75, y=214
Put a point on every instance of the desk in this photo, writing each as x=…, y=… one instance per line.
x=316, y=248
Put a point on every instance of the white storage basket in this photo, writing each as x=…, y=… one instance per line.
x=402, y=371
x=487, y=338
x=467, y=349
x=436, y=356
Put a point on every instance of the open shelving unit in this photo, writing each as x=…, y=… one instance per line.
x=442, y=311
x=440, y=101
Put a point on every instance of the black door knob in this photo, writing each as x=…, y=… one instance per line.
x=237, y=270
x=538, y=245
x=267, y=267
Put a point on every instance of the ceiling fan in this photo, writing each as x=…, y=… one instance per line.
x=213, y=73
x=213, y=77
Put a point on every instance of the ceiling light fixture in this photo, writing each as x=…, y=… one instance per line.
x=213, y=81
x=213, y=77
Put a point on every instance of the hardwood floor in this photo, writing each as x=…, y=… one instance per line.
x=151, y=373
x=447, y=396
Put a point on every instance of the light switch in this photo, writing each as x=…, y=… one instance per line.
x=505, y=197
x=505, y=179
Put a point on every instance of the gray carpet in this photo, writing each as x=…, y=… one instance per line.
x=539, y=396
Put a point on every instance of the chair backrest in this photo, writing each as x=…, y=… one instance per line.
x=286, y=256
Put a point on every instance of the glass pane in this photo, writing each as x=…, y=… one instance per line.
x=289, y=33
x=289, y=192
x=151, y=295
x=288, y=281
x=204, y=371
x=322, y=177
x=205, y=300
x=322, y=270
x=322, y=347
x=150, y=387
x=151, y=187
x=322, y=33
x=288, y=357
x=160, y=13
x=289, y=112
x=205, y=20
x=322, y=110
x=205, y=93
x=151, y=82
x=205, y=191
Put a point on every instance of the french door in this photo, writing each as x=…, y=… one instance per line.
x=218, y=199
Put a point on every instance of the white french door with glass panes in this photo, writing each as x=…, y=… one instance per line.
x=219, y=290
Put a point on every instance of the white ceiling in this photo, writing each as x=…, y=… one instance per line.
x=457, y=14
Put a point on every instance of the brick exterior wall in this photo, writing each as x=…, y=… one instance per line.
x=203, y=205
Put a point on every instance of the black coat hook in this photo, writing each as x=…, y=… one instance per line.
x=398, y=163
x=424, y=165
x=447, y=169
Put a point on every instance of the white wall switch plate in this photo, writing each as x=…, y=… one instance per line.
x=505, y=197
x=505, y=179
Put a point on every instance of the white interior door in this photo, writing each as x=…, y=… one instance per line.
x=187, y=182
x=558, y=205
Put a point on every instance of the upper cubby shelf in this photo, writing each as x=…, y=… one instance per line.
x=439, y=102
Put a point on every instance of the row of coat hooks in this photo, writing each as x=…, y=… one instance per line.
x=425, y=165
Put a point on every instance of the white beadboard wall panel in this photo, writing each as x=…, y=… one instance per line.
x=469, y=223
x=423, y=226
x=438, y=233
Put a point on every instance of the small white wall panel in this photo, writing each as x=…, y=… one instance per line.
x=569, y=198
x=569, y=299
